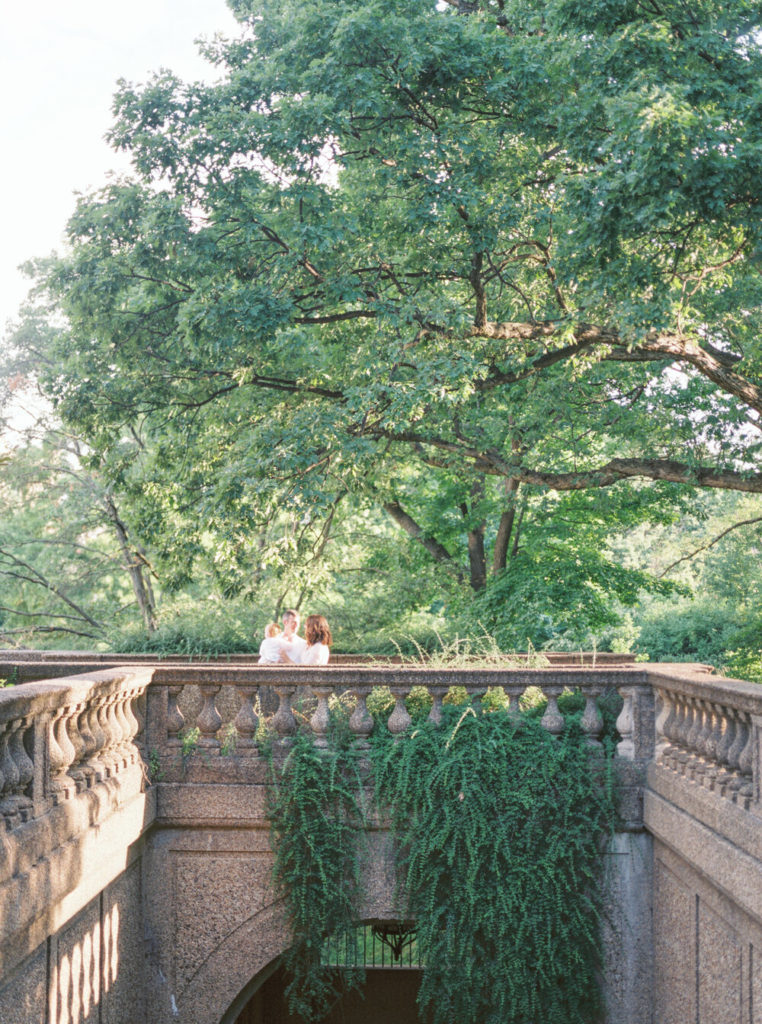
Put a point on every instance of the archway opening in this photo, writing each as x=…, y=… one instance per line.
x=388, y=952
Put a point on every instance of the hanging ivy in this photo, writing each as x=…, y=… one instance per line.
x=316, y=826
x=500, y=829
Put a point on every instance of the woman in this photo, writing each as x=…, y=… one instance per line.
x=318, y=637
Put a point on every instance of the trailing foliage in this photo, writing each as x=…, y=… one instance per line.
x=316, y=816
x=500, y=829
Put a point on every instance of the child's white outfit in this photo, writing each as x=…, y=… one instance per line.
x=269, y=650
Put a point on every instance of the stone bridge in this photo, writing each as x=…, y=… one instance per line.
x=135, y=871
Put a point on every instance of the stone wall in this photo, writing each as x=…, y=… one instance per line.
x=703, y=808
x=91, y=970
x=74, y=813
x=135, y=868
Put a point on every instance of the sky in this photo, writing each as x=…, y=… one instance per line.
x=59, y=64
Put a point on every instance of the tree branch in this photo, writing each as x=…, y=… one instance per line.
x=437, y=551
x=711, y=543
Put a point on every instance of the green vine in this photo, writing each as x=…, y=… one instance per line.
x=316, y=815
x=500, y=829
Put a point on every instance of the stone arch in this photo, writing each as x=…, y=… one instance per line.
x=239, y=965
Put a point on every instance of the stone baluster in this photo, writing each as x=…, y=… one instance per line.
x=693, y=739
x=361, y=720
x=625, y=726
x=663, y=725
x=553, y=720
x=512, y=706
x=115, y=733
x=10, y=775
x=22, y=798
x=133, y=725
x=84, y=742
x=209, y=719
x=321, y=717
x=676, y=734
x=734, y=754
x=107, y=757
x=246, y=721
x=704, y=741
x=126, y=750
x=437, y=695
x=745, y=763
x=61, y=754
x=705, y=767
x=592, y=722
x=138, y=711
x=684, y=756
x=96, y=765
x=724, y=746
x=283, y=721
x=399, y=720
x=175, y=717
x=672, y=729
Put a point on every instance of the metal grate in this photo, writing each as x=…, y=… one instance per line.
x=381, y=944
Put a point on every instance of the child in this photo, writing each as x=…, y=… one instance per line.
x=271, y=646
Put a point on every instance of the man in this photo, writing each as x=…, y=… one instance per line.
x=293, y=645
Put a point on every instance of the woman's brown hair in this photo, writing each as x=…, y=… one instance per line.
x=316, y=630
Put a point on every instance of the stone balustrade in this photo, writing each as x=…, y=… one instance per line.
x=121, y=784
x=226, y=711
x=61, y=738
x=707, y=731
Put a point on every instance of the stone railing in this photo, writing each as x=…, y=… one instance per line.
x=707, y=731
x=223, y=712
x=61, y=738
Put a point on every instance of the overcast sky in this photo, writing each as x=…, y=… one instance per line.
x=59, y=63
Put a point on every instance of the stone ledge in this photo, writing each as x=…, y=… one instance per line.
x=96, y=839
x=733, y=871
x=210, y=805
x=740, y=827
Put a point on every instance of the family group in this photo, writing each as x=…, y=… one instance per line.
x=285, y=646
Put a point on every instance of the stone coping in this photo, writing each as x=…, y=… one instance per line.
x=692, y=681
x=35, y=697
x=335, y=676
x=14, y=655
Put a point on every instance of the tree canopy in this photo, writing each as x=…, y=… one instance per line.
x=444, y=260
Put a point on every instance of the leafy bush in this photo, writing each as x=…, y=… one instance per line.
x=500, y=827
x=199, y=629
x=685, y=630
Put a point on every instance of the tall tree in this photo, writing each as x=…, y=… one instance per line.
x=498, y=242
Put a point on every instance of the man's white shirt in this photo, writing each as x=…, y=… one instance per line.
x=294, y=648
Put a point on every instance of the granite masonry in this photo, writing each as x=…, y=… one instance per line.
x=135, y=863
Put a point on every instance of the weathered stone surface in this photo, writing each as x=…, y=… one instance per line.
x=674, y=948
x=123, y=902
x=23, y=992
x=628, y=970
x=124, y=974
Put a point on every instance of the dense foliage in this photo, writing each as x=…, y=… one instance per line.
x=500, y=829
x=443, y=292
x=316, y=816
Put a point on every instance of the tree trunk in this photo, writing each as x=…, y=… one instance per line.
x=505, y=529
x=517, y=534
x=477, y=562
x=136, y=565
